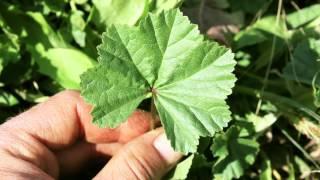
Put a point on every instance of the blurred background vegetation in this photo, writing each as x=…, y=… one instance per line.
x=45, y=45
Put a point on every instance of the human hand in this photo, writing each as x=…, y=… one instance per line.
x=57, y=137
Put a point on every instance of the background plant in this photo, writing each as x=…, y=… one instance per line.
x=45, y=46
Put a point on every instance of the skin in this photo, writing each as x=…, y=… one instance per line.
x=57, y=137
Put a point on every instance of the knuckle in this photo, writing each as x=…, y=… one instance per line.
x=138, y=166
x=69, y=93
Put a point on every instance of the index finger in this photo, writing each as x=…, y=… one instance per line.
x=65, y=118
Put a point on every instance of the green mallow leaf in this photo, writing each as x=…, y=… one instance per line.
x=182, y=169
x=305, y=63
x=260, y=31
x=196, y=166
x=265, y=168
x=261, y=123
x=235, y=154
x=165, y=58
x=108, y=12
x=303, y=16
x=65, y=65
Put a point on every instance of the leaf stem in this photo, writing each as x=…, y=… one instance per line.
x=153, y=111
x=267, y=74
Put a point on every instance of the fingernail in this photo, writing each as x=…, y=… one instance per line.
x=162, y=144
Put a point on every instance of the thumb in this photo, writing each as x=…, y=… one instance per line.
x=149, y=156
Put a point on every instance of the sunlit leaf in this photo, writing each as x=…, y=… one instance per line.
x=164, y=57
x=235, y=154
x=303, y=16
x=65, y=66
x=120, y=11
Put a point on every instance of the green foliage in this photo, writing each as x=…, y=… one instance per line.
x=234, y=152
x=195, y=166
x=77, y=27
x=8, y=50
x=108, y=12
x=43, y=35
x=164, y=57
x=7, y=99
x=119, y=11
x=266, y=169
x=261, y=123
x=67, y=73
x=260, y=31
x=303, y=16
x=274, y=108
x=181, y=171
x=305, y=56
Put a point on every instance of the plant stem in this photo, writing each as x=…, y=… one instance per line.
x=297, y=145
x=153, y=114
x=266, y=77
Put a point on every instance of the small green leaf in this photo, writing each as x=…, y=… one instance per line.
x=235, y=154
x=303, y=167
x=305, y=63
x=181, y=171
x=260, y=31
x=261, y=122
x=65, y=66
x=243, y=58
x=303, y=16
x=120, y=11
x=77, y=27
x=7, y=99
x=164, y=57
x=266, y=169
x=196, y=166
x=248, y=37
x=279, y=27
